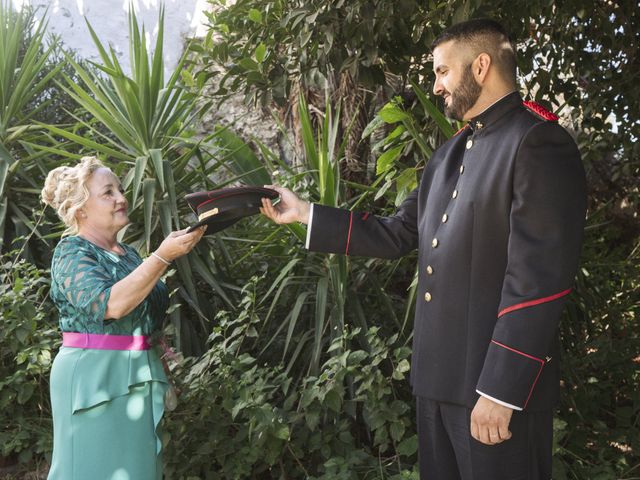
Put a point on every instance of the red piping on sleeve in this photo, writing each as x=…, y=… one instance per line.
x=533, y=386
x=519, y=352
x=532, y=358
x=532, y=303
x=346, y=252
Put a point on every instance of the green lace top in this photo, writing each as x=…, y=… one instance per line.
x=82, y=276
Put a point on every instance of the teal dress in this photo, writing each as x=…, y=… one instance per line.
x=106, y=404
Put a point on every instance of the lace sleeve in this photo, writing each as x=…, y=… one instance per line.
x=82, y=281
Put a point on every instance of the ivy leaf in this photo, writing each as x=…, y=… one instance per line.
x=26, y=391
x=355, y=358
x=383, y=189
x=397, y=430
x=391, y=113
x=406, y=183
x=403, y=366
x=255, y=16
x=408, y=446
x=282, y=432
x=333, y=400
x=261, y=51
x=373, y=125
x=187, y=78
x=240, y=405
x=22, y=334
x=313, y=419
x=249, y=64
x=385, y=161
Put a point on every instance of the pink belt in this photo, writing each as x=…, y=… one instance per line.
x=105, y=342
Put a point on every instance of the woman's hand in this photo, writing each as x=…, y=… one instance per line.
x=179, y=243
x=290, y=208
x=129, y=292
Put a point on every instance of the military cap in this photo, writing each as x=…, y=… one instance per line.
x=219, y=209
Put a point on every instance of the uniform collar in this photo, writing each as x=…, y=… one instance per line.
x=496, y=110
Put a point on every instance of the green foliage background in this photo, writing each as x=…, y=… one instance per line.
x=296, y=363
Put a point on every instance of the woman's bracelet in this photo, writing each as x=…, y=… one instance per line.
x=154, y=254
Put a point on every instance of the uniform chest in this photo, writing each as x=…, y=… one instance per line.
x=473, y=171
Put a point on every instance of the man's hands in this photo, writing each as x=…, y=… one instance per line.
x=290, y=208
x=490, y=422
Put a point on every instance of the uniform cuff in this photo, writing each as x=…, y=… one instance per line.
x=509, y=374
x=499, y=402
x=306, y=244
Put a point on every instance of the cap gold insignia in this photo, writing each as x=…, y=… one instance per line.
x=207, y=214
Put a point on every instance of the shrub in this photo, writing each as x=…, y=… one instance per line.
x=240, y=418
x=28, y=338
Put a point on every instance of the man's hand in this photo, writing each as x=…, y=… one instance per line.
x=490, y=422
x=290, y=208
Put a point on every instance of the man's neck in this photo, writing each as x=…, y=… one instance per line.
x=485, y=102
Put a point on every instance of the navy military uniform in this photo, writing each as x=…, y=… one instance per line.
x=497, y=218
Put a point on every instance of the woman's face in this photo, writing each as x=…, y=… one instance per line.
x=106, y=208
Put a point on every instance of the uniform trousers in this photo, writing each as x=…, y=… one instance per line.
x=447, y=451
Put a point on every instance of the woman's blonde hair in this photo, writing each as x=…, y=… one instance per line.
x=65, y=190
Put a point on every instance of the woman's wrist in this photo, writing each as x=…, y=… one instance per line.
x=160, y=258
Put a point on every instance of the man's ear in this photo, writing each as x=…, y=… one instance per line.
x=480, y=67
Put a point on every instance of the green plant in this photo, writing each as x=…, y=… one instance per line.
x=241, y=418
x=26, y=74
x=272, y=48
x=358, y=53
x=410, y=140
x=28, y=339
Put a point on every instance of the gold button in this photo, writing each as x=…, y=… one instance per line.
x=445, y=217
x=427, y=297
x=429, y=270
x=434, y=242
x=455, y=194
x=461, y=169
x=469, y=144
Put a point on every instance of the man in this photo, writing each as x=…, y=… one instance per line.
x=497, y=219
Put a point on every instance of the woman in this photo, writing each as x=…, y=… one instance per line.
x=107, y=383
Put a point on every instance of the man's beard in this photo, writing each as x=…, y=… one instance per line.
x=464, y=96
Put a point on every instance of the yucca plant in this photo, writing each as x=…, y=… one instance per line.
x=25, y=75
x=137, y=118
x=312, y=297
x=323, y=152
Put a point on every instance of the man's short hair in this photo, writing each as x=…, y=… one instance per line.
x=484, y=35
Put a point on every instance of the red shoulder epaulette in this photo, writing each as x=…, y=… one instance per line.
x=540, y=111
x=460, y=130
